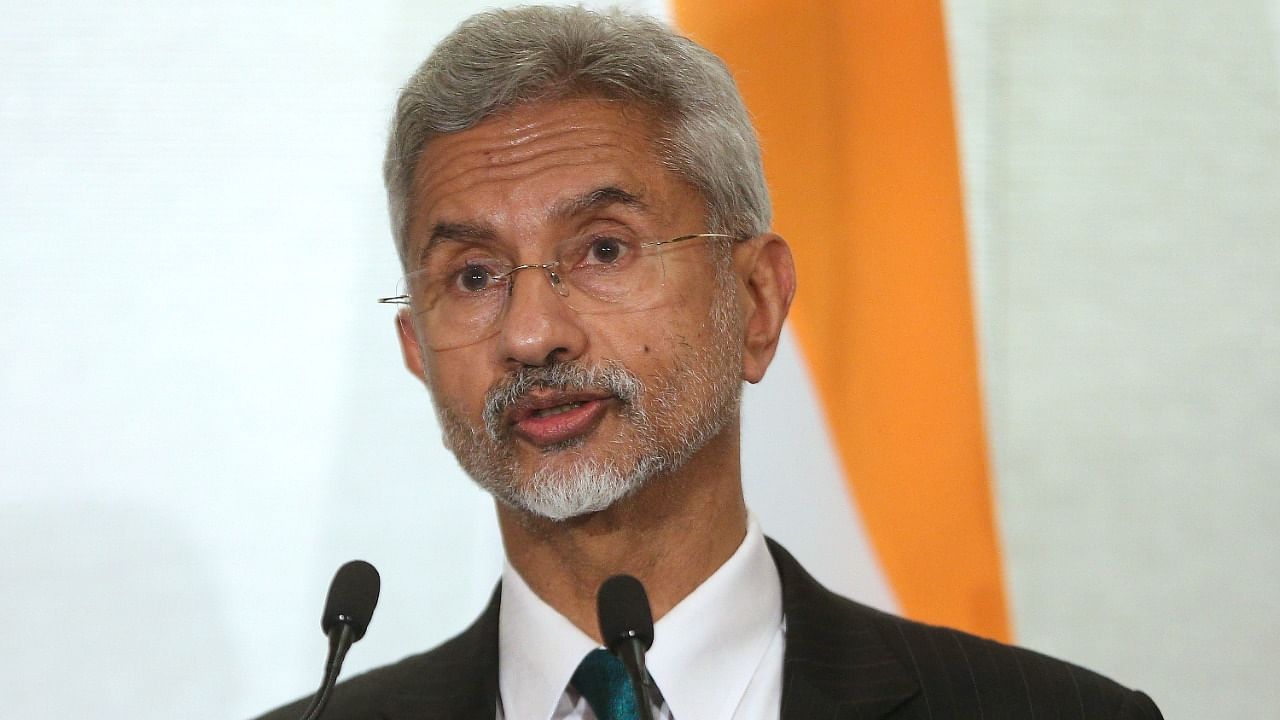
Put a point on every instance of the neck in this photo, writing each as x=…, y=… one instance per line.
x=671, y=535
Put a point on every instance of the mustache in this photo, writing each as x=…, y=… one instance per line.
x=610, y=377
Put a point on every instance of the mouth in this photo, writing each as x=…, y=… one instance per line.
x=552, y=418
x=557, y=410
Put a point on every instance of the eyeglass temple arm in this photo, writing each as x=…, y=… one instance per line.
x=682, y=238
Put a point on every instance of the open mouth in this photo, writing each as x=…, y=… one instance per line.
x=557, y=410
x=554, y=418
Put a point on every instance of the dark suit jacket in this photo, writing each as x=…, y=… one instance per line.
x=842, y=661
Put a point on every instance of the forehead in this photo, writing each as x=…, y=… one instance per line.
x=515, y=170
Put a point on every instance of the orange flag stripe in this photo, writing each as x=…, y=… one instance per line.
x=853, y=104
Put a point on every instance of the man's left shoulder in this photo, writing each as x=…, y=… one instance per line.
x=964, y=670
x=875, y=664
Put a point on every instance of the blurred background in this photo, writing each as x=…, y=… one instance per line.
x=203, y=413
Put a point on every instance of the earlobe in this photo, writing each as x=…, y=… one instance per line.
x=410, y=349
x=769, y=275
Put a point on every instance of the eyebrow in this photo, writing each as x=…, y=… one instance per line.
x=457, y=232
x=596, y=199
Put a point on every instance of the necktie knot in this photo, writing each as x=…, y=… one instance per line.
x=603, y=681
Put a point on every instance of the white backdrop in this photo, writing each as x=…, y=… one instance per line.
x=1123, y=161
x=202, y=412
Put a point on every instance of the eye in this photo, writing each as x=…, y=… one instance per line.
x=473, y=278
x=605, y=251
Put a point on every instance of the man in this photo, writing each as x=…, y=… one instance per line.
x=580, y=209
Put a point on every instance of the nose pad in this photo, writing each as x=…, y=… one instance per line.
x=536, y=329
x=549, y=269
x=531, y=294
x=557, y=283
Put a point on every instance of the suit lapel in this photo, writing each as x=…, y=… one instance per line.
x=836, y=663
x=459, y=681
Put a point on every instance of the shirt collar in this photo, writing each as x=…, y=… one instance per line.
x=705, y=650
x=538, y=650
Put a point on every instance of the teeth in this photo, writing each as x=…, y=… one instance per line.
x=548, y=412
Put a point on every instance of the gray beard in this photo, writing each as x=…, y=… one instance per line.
x=665, y=425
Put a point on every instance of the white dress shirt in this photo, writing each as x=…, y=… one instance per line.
x=717, y=655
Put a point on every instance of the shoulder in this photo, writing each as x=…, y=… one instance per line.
x=455, y=679
x=362, y=695
x=963, y=670
x=862, y=655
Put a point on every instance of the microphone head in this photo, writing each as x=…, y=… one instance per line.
x=622, y=607
x=353, y=595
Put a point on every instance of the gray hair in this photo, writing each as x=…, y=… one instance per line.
x=501, y=58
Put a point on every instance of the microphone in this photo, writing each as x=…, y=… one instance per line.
x=353, y=595
x=626, y=626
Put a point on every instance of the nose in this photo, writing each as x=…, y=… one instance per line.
x=537, y=327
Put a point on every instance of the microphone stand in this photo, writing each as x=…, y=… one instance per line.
x=339, y=643
x=631, y=653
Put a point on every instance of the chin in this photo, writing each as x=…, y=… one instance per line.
x=584, y=488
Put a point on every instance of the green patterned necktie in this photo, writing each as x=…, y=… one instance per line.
x=603, y=681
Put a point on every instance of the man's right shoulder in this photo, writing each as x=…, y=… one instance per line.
x=456, y=679
x=363, y=696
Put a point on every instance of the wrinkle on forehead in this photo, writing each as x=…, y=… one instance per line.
x=457, y=168
x=528, y=140
x=534, y=143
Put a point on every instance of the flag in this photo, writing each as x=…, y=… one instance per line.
x=853, y=104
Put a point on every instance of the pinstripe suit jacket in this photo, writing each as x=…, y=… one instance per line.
x=842, y=661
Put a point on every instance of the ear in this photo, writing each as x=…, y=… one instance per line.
x=768, y=276
x=410, y=349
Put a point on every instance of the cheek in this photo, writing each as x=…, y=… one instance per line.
x=649, y=344
x=628, y=338
x=689, y=318
x=457, y=383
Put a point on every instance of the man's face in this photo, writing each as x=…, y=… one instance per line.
x=560, y=413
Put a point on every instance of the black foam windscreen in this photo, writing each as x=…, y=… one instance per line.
x=352, y=597
x=622, y=606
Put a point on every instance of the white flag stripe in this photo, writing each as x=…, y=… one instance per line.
x=795, y=485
